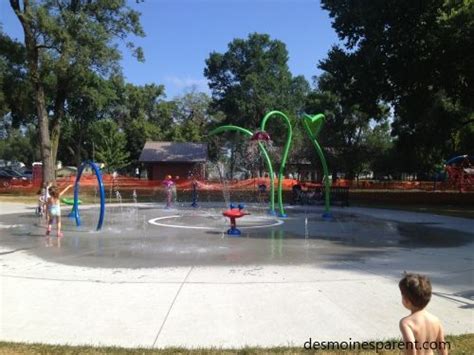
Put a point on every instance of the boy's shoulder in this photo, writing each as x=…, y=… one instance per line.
x=406, y=321
x=432, y=318
x=416, y=318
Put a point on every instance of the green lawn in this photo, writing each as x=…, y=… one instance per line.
x=461, y=344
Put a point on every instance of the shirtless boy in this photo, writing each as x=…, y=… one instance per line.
x=422, y=332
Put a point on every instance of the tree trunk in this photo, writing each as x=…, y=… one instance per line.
x=59, y=103
x=55, y=132
x=56, y=129
x=32, y=57
x=45, y=142
x=78, y=142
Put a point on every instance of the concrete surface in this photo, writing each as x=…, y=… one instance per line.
x=136, y=284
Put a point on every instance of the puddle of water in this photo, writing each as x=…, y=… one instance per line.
x=416, y=235
x=301, y=239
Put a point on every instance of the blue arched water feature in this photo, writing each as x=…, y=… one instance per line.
x=75, y=209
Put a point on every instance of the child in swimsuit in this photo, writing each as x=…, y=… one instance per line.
x=54, y=209
x=43, y=195
x=168, y=182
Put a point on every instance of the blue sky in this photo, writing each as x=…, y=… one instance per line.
x=180, y=34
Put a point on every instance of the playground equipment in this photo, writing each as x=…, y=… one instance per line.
x=233, y=213
x=286, y=149
x=69, y=201
x=265, y=155
x=460, y=172
x=312, y=125
x=75, y=209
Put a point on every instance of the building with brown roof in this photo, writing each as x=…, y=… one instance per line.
x=175, y=159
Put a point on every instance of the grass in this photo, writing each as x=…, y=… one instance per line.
x=18, y=198
x=460, y=344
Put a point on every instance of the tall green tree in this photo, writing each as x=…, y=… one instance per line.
x=142, y=112
x=92, y=100
x=352, y=138
x=193, y=116
x=416, y=56
x=65, y=38
x=250, y=79
x=109, y=144
x=15, y=88
x=137, y=133
x=3, y=102
x=19, y=145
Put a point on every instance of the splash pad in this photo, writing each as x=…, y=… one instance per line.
x=147, y=235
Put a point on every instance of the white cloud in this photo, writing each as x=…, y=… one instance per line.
x=187, y=83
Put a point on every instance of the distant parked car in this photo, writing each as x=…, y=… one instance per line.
x=14, y=172
x=28, y=173
x=16, y=178
x=17, y=165
x=5, y=179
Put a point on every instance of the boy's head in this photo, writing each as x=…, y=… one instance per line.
x=53, y=191
x=416, y=289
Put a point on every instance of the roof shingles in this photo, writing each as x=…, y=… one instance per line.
x=173, y=152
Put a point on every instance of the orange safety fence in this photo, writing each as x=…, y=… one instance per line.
x=89, y=180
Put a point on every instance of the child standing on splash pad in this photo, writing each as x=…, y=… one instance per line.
x=169, y=185
x=54, y=209
x=43, y=196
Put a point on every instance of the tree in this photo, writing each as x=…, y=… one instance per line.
x=380, y=149
x=65, y=38
x=109, y=144
x=250, y=79
x=301, y=151
x=3, y=103
x=192, y=117
x=139, y=102
x=19, y=146
x=90, y=101
x=15, y=89
x=137, y=133
x=141, y=112
x=415, y=56
x=352, y=139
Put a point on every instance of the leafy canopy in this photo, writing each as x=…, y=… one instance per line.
x=415, y=56
x=110, y=145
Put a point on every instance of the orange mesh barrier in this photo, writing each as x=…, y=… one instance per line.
x=458, y=180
